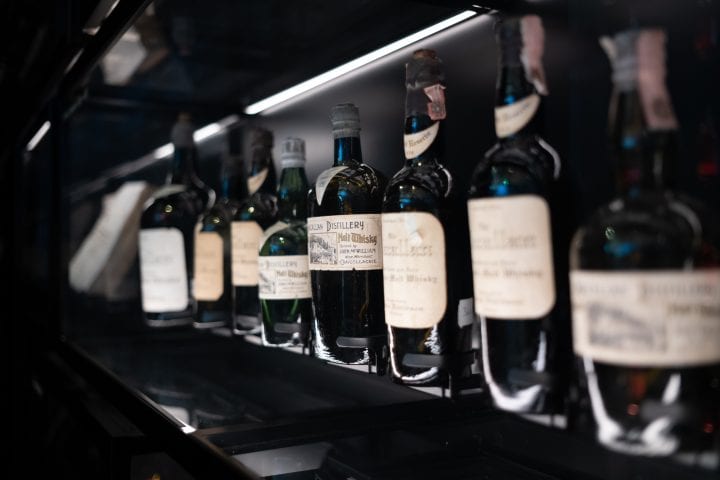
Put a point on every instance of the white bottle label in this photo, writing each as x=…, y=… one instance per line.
x=163, y=272
x=510, y=119
x=414, y=275
x=345, y=242
x=465, y=314
x=208, y=279
x=255, y=182
x=323, y=180
x=511, y=250
x=658, y=318
x=245, y=246
x=284, y=277
x=417, y=143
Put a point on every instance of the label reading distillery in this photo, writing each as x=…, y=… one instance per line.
x=653, y=318
x=510, y=119
x=245, y=245
x=208, y=280
x=345, y=242
x=417, y=143
x=285, y=277
x=511, y=250
x=414, y=276
x=255, y=182
x=163, y=274
x=323, y=180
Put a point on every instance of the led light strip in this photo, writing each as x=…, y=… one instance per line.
x=38, y=136
x=336, y=72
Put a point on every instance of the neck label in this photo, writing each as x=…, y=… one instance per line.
x=255, y=182
x=414, y=275
x=323, y=180
x=345, y=242
x=510, y=119
x=660, y=318
x=245, y=238
x=284, y=277
x=208, y=280
x=163, y=273
x=417, y=143
x=511, y=251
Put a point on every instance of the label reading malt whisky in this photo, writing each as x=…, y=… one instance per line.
x=510, y=119
x=345, y=242
x=255, y=182
x=208, y=279
x=163, y=272
x=245, y=246
x=414, y=275
x=285, y=277
x=511, y=250
x=660, y=318
x=323, y=180
x=417, y=143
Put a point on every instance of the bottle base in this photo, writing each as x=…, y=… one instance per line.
x=167, y=323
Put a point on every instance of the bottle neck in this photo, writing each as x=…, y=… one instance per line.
x=292, y=195
x=261, y=161
x=347, y=150
x=645, y=158
x=233, y=184
x=183, y=165
x=517, y=103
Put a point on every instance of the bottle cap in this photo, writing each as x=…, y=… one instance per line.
x=292, y=153
x=622, y=52
x=345, y=118
x=182, y=131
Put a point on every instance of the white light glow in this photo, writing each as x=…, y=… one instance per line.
x=163, y=151
x=202, y=133
x=35, y=140
x=336, y=72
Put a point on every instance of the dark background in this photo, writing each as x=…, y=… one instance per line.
x=222, y=55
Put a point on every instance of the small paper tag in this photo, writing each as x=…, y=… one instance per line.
x=255, y=182
x=436, y=106
x=323, y=180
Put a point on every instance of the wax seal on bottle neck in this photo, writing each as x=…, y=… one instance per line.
x=182, y=131
x=345, y=118
x=292, y=153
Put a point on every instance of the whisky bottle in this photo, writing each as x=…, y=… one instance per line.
x=524, y=324
x=645, y=277
x=251, y=218
x=167, y=227
x=212, y=285
x=284, y=277
x=426, y=334
x=345, y=250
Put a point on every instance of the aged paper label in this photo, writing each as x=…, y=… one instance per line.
x=163, y=272
x=245, y=240
x=414, y=274
x=255, y=182
x=284, y=277
x=208, y=279
x=323, y=180
x=510, y=119
x=345, y=242
x=417, y=143
x=512, y=262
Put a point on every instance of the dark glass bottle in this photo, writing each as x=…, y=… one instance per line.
x=253, y=216
x=185, y=162
x=344, y=243
x=426, y=334
x=167, y=228
x=284, y=288
x=520, y=301
x=645, y=277
x=212, y=285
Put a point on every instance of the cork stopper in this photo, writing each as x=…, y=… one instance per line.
x=182, y=132
x=345, y=118
x=292, y=153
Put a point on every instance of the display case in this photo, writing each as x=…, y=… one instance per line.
x=112, y=397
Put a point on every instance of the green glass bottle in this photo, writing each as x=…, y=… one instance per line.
x=284, y=275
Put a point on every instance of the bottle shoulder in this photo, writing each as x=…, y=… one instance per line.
x=352, y=188
x=260, y=207
x=413, y=184
x=286, y=239
x=515, y=166
x=648, y=230
x=219, y=216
